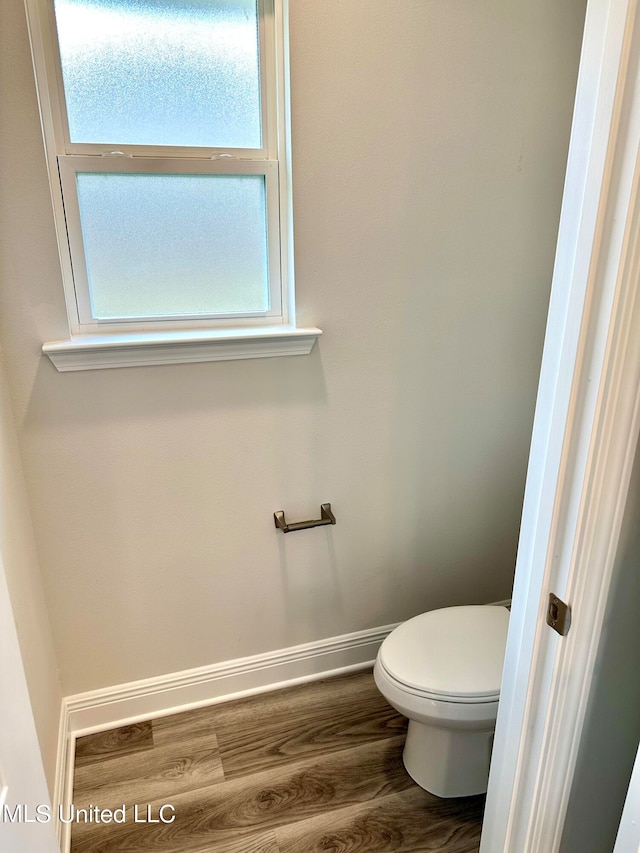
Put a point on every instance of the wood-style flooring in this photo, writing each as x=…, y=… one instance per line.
x=310, y=769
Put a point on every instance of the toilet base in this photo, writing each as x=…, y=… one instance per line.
x=448, y=762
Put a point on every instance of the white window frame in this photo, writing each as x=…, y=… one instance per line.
x=94, y=343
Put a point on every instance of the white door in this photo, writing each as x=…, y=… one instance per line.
x=24, y=828
x=585, y=434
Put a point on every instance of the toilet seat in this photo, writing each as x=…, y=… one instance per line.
x=453, y=655
x=437, y=697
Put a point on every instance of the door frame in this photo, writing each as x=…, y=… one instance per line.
x=584, y=440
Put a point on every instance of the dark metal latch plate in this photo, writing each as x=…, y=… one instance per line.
x=558, y=615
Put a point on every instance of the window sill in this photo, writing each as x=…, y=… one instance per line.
x=135, y=349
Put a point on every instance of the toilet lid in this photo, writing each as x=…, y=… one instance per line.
x=455, y=652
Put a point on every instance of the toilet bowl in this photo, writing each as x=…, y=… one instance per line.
x=442, y=670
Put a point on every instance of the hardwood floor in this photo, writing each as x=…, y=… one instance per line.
x=309, y=769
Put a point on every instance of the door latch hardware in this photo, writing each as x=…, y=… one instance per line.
x=558, y=615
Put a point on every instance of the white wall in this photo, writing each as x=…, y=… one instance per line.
x=22, y=777
x=19, y=564
x=429, y=143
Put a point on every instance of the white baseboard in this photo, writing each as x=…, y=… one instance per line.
x=124, y=704
x=153, y=697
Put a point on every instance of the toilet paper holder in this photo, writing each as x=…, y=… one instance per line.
x=326, y=517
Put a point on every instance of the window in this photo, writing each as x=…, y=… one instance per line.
x=166, y=131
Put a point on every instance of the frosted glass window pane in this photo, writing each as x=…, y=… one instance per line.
x=174, y=244
x=161, y=72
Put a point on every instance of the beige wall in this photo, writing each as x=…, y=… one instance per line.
x=429, y=143
x=19, y=561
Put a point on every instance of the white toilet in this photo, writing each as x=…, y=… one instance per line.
x=443, y=670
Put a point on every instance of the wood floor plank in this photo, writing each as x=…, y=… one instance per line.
x=291, y=703
x=410, y=822
x=149, y=775
x=327, y=718
x=229, y=811
x=122, y=741
x=182, y=727
x=263, y=842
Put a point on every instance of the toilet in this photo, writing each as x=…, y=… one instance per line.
x=443, y=671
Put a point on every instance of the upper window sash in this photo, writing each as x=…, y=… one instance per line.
x=270, y=91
